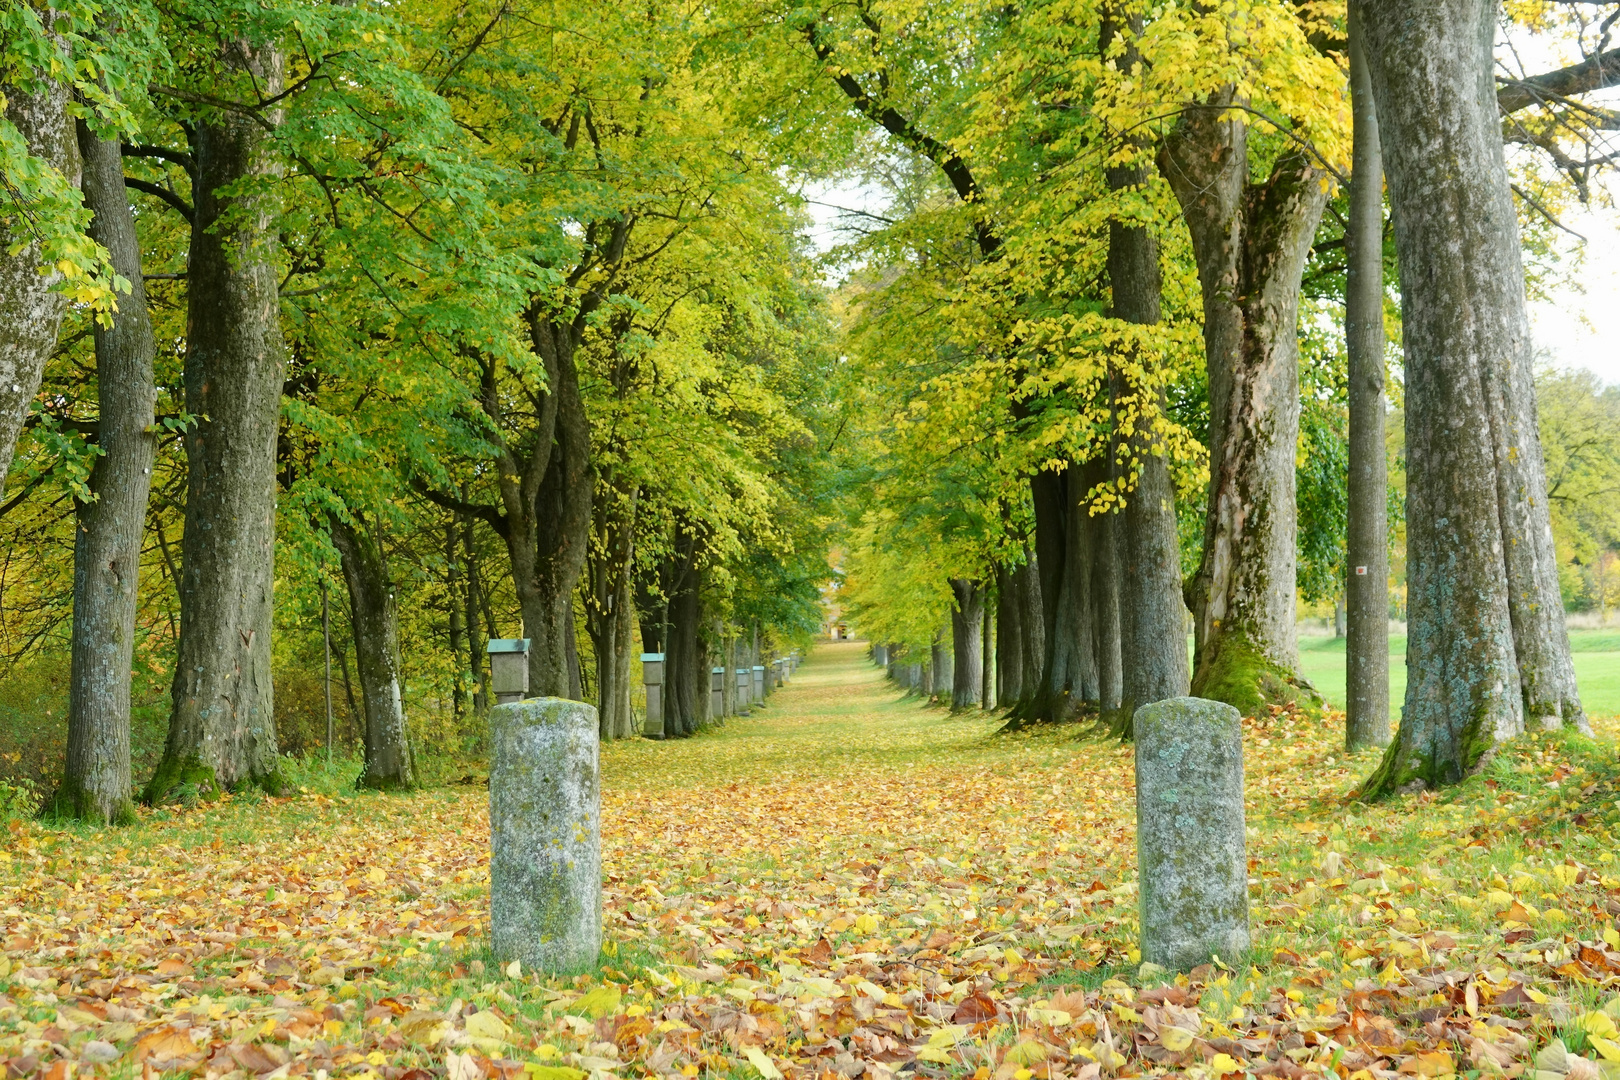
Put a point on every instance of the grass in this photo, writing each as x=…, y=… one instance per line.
x=829, y=882
x=1596, y=654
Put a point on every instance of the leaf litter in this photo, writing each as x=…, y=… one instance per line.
x=846, y=886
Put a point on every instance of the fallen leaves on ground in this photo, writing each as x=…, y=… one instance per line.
x=847, y=886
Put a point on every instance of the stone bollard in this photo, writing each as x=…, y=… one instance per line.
x=652, y=677
x=717, y=693
x=545, y=838
x=745, y=683
x=1193, y=874
x=759, y=682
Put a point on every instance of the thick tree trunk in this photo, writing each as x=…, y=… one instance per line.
x=1250, y=242
x=107, y=543
x=610, y=611
x=30, y=308
x=967, y=642
x=562, y=535
x=1366, y=587
x=1476, y=505
x=372, y=614
x=222, y=731
x=1152, y=615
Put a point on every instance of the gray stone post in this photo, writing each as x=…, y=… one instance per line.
x=717, y=692
x=745, y=689
x=545, y=838
x=508, y=669
x=759, y=682
x=1193, y=874
x=652, y=677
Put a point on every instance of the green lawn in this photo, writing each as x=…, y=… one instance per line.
x=1597, y=666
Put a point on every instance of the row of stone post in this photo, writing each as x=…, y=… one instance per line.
x=545, y=829
x=753, y=685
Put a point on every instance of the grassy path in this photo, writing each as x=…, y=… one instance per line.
x=845, y=885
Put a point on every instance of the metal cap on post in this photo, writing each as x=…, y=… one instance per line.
x=717, y=692
x=652, y=675
x=509, y=669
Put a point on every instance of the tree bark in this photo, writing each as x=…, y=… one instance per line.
x=476, y=643
x=942, y=664
x=374, y=619
x=456, y=612
x=1366, y=587
x=684, y=652
x=1027, y=578
x=610, y=610
x=967, y=642
x=1105, y=611
x=987, y=662
x=30, y=307
x=1056, y=693
x=1152, y=633
x=96, y=784
x=1250, y=242
x=1009, y=636
x=1485, y=631
x=222, y=731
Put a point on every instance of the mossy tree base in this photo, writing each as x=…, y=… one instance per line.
x=190, y=780
x=73, y=803
x=1242, y=676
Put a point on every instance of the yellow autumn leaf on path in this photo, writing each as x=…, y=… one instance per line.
x=760, y=1061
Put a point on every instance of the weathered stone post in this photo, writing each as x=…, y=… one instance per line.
x=745, y=688
x=777, y=674
x=717, y=692
x=1193, y=874
x=545, y=838
x=509, y=669
x=652, y=677
x=759, y=682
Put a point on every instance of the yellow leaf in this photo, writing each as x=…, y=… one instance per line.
x=1224, y=1063
x=757, y=1058
x=1174, y=1038
x=602, y=1001
x=937, y=1054
x=553, y=1072
x=514, y=970
x=1027, y=1053
x=376, y=875
x=1607, y=1048
x=486, y=1025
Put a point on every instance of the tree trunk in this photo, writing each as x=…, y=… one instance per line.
x=967, y=642
x=376, y=651
x=476, y=644
x=987, y=662
x=222, y=731
x=455, y=593
x=942, y=664
x=684, y=652
x=1152, y=616
x=107, y=543
x=1065, y=620
x=609, y=609
x=1028, y=580
x=1250, y=242
x=1009, y=636
x=1366, y=588
x=1104, y=571
x=1476, y=503
x=30, y=307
